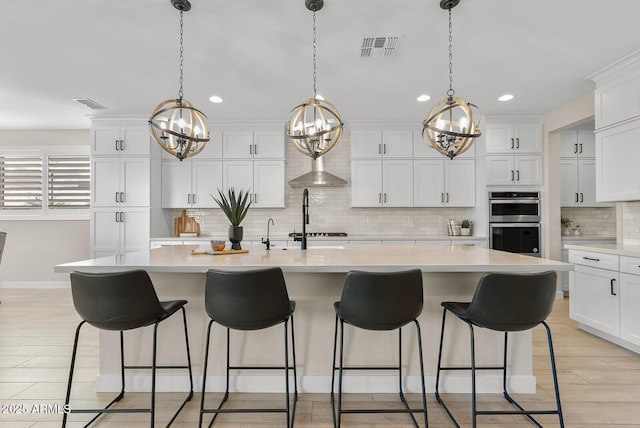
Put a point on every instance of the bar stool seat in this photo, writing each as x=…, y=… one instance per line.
x=504, y=302
x=118, y=302
x=249, y=300
x=381, y=301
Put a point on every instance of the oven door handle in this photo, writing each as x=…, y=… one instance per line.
x=514, y=201
x=492, y=225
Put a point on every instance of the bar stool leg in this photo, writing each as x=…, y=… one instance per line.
x=474, y=414
x=333, y=372
x=204, y=373
x=554, y=372
x=424, y=389
x=286, y=374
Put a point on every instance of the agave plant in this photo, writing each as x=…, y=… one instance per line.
x=234, y=206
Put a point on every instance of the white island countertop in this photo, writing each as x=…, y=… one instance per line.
x=330, y=259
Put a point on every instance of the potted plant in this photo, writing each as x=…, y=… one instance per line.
x=566, y=223
x=465, y=227
x=234, y=206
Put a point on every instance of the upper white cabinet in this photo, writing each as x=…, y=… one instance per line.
x=263, y=179
x=381, y=183
x=617, y=154
x=514, y=170
x=118, y=138
x=578, y=143
x=377, y=143
x=444, y=182
x=578, y=181
x=120, y=182
x=257, y=144
x=521, y=136
x=190, y=183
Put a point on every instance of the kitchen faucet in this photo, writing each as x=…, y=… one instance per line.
x=267, y=242
x=305, y=218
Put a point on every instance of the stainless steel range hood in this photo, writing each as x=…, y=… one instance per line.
x=318, y=177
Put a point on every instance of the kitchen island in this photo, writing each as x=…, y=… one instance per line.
x=314, y=279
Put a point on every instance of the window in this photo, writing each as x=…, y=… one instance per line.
x=51, y=182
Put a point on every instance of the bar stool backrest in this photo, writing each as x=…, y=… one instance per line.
x=381, y=300
x=116, y=301
x=247, y=300
x=512, y=301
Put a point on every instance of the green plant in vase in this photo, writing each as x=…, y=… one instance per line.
x=235, y=206
x=465, y=227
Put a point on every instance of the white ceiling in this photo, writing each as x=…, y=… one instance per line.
x=257, y=55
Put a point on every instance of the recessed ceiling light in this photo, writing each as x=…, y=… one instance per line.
x=215, y=99
x=506, y=97
x=424, y=97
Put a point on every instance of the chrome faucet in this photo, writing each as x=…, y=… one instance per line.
x=267, y=242
x=305, y=218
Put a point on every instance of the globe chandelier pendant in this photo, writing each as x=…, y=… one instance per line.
x=315, y=126
x=452, y=123
x=178, y=127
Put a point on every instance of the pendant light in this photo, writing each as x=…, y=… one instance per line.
x=314, y=126
x=453, y=123
x=178, y=127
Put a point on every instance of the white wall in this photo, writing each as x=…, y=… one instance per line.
x=33, y=247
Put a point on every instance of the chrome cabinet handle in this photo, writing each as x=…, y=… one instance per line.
x=612, y=293
x=581, y=197
x=250, y=149
x=518, y=175
x=511, y=175
x=117, y=196
x=580, y=147
x=117, y=219
x=517, y=143
x=447, y=196
x=379, y=149
x=576, y=197
x=379, y=198
x=255, y=149
x=384, y=149
x=122, y=198
x=511, y=143
x=121, y=217
x=575, y=148
x=117, y=145
x=442, y=197
x=385, y=197
x=193, y=198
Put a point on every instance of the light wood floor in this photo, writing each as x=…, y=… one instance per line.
x=599, y=382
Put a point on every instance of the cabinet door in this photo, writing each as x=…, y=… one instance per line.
x=569, y=143
x=629, y=303
x=428, y=183
x=176, y=184
x=594, y=300
x=239, y=175
x=105, y=182
x=460, y=182
x=617, y=172
x=500, y=170
x=213, y=149
x=136, y=140
x=105, y=232
x=366, y=143
x=527, y=138
x=269, y=184
x=569, y=196
x=586, y=143
x=397, y=143
x=366, y=183
x=135, y=227
x=397, y=183
x=269, y=144
x=206, y=179
x=587, y=181
x=528, y=170
x=105, y=139
x=500, y=138
x=237, y=144
x=135, y=176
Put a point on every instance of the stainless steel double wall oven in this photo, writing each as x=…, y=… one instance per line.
x=514, y=222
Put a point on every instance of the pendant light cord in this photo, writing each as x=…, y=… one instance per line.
x=314, y=55
x=180, y=92
x=450, y=92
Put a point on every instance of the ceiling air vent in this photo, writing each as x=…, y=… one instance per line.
x=89, y=103
x=378, y=46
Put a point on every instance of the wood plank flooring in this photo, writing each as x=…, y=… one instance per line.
x=599, y=382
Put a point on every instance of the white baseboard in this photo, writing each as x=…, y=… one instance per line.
x=34, y=284
x=525, y=384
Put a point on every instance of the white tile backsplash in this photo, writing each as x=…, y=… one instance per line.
x=631, y=223
x=595, y=221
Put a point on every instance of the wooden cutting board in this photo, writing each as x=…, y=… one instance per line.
x=185, y=224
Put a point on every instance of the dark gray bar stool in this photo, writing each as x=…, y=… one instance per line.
x=378, y=301
x=250, y=300
x=505, y=302
x=123, y=301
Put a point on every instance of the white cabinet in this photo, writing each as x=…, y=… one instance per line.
x=377, y=183
x=386, y=143
x=630, y=299
x=594, y=299
x=257, y=144
x=118, y=231
x=513, y=137
x=444, y=182
x=263, y=179
x=578, y=183
x=114, y=138
x=514, y=170
x=617, y=154
x=578, y=143
x=189, y=184
x=120, y=181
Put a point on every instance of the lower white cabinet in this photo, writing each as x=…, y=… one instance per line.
x=514, y=170
x=444, y=183
x=119, y=230
x=607, y=299
x=263, y=179
x=190, y=183
x=381, y=183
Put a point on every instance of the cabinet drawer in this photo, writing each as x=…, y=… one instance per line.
x=598, y=260
x=630, y=265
